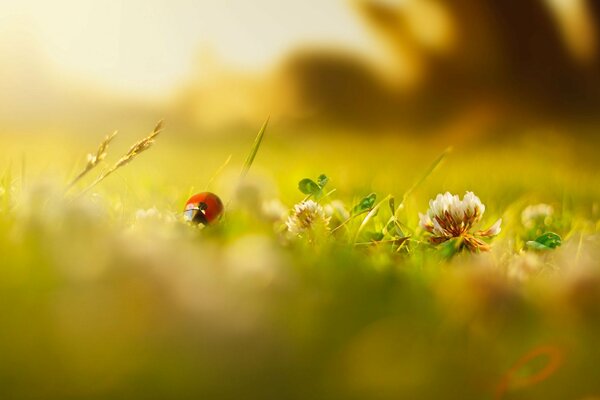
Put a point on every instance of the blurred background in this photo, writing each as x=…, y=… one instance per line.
x=465, y=66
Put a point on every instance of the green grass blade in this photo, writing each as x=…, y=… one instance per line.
x=254, y=150
x=218, y=172
x=425, y=175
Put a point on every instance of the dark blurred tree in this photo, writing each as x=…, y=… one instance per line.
x=535, y=60
x=508, y=45
x=338, y=87
x=510, y=52
x=594, y=9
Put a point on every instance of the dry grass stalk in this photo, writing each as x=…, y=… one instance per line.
x=135, y=150
x=94, y=159
x=138, y=148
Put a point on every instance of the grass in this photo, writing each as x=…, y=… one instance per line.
x=111, y=295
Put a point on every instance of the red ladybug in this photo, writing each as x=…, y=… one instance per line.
x=203, y=208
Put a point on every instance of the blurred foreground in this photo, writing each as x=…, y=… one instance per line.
x=111, y=295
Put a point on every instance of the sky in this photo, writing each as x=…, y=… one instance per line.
x=149, y=46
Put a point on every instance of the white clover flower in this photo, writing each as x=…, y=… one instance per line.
x=307, y=217
x=539, y=213
x=273, y=210
x=450, y=217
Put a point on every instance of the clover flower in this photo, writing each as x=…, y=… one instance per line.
x=536, y=214
x=307, y=217
x=450, y=217
x=273, y=211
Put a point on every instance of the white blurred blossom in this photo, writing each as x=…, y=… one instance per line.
x=150, y=213
x=273, y=210
x=154, y=219
x=536, y=214
x=524, y=266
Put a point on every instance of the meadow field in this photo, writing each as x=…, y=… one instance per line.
x=417, y=219
x=107, y=292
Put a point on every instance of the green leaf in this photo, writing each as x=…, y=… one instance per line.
x=365, y=204
x=451, y=247
x=547, y=241
x=322, y=180
x=532, y=244
x=312, y=188
x=309, y=187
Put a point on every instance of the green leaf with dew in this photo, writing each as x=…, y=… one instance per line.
x=533, y=245
x=547, y=241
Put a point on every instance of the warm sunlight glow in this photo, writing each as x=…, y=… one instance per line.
x=149, y=46
x=578, y=30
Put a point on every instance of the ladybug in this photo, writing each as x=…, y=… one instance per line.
x=203, y=208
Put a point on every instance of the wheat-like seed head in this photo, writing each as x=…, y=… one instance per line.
x=139, y=146
x=133, y=151
x=94, y=159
